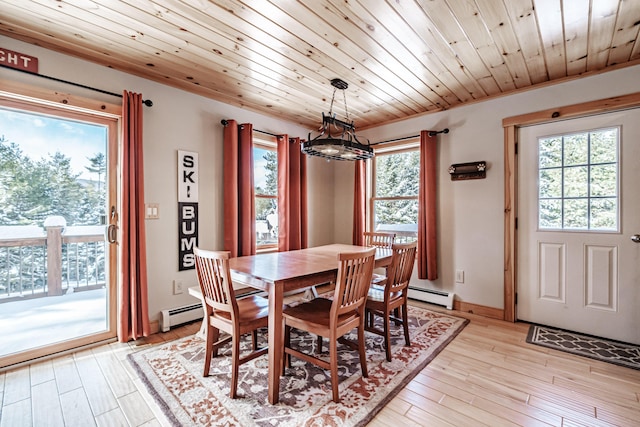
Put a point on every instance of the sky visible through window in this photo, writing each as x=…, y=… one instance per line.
x=259, y=179
x=38, y=136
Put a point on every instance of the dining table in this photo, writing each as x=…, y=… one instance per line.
x=278, y=273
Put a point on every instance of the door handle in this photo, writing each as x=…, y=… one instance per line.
x=112, y=233
x=635, y=238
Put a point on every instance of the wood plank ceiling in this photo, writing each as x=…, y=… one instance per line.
x=401, y=58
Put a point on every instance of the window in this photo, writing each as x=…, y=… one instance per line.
x=578, y=181
x=265, y=181
x=394, y=201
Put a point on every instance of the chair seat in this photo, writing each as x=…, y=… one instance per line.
x=249, y=308
x=376, y=294
x=378, y=279
x=316, y=312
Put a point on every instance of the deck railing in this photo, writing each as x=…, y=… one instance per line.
x=36, y=262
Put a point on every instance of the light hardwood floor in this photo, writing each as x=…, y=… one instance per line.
x=488, y=376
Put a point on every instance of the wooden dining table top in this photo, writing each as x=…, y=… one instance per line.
x=280, y=267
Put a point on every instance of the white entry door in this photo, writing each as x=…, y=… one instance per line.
x=579, y=225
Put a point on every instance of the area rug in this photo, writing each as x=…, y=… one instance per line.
x=616, y=352
x=172, y=372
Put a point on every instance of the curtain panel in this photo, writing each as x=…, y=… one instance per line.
x=292, y=195
x=359, y=202
x=427, y=208
x=133, y=310
x=239, y=200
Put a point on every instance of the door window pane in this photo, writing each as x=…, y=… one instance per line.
x=602, y=213
x=550, y=183
x=578, y=181
x=603, y=181
x=576, y=149
x=550, y=215
x=550, y=152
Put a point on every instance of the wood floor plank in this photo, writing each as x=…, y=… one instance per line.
x=46, y=405
x=115, y=373
x=398, y=405
x=41, y=372
x=432, y=413
x=66, y=374
x=17, y=386
x=135, y=409
x=610, y=392
x=76, y=410
x=504, y=401
x=387, y=417
x=520, y=414
x=476, y=413
x=95, y=384
x=16, y=414
x=568, y=414
x=618, y=416
x=112, y=418
x=444, y=388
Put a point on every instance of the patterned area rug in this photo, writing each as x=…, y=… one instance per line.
x=618, y=353
x=172, y=372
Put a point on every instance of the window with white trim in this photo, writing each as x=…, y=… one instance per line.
x=395, y=175
x=265, y=181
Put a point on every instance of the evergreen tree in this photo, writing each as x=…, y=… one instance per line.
x=98, y=165
x=397, y=175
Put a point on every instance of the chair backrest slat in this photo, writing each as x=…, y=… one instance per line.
x=214, y=277
x=379, y=239
x=355, y=270
x=401, y=267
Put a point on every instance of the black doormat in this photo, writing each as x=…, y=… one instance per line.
x=616, y=352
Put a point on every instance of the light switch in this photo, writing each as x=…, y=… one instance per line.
x=152, y=211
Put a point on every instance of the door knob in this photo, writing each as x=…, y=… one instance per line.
x=636, y=238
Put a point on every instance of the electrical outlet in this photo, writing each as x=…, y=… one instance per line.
x=459, y=276
x=177, y=287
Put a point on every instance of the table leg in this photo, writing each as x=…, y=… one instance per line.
x=276, y=338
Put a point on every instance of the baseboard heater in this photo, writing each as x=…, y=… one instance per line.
x=180, y=315
x=432, y=296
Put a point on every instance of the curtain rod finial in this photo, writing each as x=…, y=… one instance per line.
x=224, y=122
x=148, y=102
x=435, y=132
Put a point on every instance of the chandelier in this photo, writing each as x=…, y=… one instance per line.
x=337, y=139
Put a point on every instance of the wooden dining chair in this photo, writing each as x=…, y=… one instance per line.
x=224, y=312
x=379, y=239
x=334, y=318
x=390, y=295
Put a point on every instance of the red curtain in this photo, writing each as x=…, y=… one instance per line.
x=239, y=201
x=427, y=233
x=359, y=202
x=292, y=195
x=133, y=313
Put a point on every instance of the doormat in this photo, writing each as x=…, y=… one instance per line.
x=610, y=351
x=172, y=372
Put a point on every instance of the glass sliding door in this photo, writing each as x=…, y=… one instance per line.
x=57, y=196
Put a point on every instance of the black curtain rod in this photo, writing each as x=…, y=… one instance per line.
x=146, y=102
x=432, y=133
x=225, y=122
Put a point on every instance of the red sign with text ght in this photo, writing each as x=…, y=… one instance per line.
x=18, y=60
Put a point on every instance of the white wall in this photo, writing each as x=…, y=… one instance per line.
x=177, y=120
x=470, y=213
